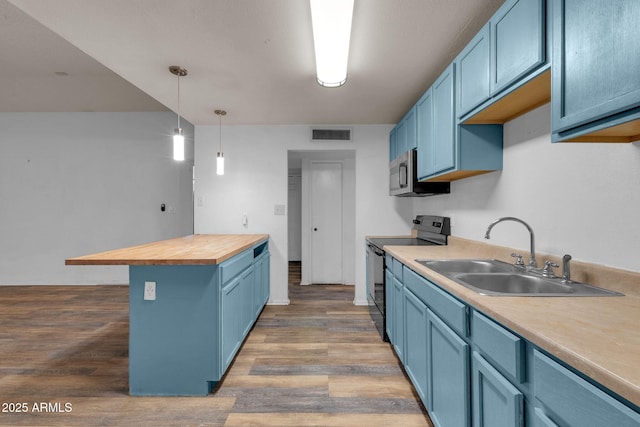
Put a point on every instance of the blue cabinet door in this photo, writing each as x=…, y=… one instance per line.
x=406, y=133
x=517, y=42
x=232, y=329
x=392, y=144
x=415, y=321
x=448, y=375
x=575, y=402
x=472, y=73
x=443, y=147
x=411, y=141
x=595, y=60
x=398, y=318
x=496, y=402
x=424, y=126
x=389, y=306
x=248, y=298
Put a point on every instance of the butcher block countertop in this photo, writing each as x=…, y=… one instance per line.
x=196, y=249
x=599, y=336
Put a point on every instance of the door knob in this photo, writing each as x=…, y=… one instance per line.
x=315, y=229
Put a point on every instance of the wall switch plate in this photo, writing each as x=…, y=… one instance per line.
x=150, y=291
x=278, y=209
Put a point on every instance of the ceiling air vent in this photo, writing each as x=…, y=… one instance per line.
x=320, y=135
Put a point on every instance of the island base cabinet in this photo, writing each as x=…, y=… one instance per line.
x=181, y=343
x=171, y=341
x=448, y=374
x=566, y=399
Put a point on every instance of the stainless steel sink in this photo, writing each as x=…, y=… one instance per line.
x=447, y=266
x=497, y=278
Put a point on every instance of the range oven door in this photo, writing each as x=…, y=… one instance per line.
x=375, y=288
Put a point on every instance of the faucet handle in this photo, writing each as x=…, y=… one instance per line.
x=547, y=271
x=518, y=258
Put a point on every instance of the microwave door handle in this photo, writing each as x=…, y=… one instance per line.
x=403, y=176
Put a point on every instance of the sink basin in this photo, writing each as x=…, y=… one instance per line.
x=524, y=284
x=498, y=278
x=512, y=284
x=448, y=266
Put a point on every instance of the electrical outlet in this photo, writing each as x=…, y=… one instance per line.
x=150, y=291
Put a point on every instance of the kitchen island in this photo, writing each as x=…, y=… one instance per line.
x=192, y=301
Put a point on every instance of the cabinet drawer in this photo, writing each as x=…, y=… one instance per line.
x=499, y=345
x=570, y=400
x=452, y=311
x=397, y=269
x=230, y=268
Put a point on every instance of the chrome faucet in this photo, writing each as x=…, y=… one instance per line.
x=566, y=271
x=532, y=259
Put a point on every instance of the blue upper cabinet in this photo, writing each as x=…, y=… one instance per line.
x=436, y=127
x=392, y=144
x=504, y=71
x=447, y=151
x=442, y=148
x=403, y=137
x=517, y=42
x=473, y=79
x=596, y=89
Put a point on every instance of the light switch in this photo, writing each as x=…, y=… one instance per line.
x=278, y=209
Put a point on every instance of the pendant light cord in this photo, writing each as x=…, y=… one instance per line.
x=220, y=130
x=179, y=111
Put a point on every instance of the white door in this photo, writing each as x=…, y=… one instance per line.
x=326, y=222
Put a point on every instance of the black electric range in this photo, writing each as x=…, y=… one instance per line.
x=431, y=230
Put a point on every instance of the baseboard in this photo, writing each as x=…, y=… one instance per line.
x=279, y=302
x=360, y=302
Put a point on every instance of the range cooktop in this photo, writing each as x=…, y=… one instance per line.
x=400, y=241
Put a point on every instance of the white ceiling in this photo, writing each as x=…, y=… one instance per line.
x=253, y=58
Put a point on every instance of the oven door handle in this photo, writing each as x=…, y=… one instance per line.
x=375, y=250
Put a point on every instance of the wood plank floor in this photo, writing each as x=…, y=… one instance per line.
x=316, y=362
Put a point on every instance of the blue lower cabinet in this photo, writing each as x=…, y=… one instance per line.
x=231, y=320
x=398, y=318
x=415, y=358
x=569, y=400
x=540, y=419
x=448, y=375
x=496, y=402
x=389, y=306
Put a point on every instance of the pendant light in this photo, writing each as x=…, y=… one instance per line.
x=220, y=156
x=178, y=135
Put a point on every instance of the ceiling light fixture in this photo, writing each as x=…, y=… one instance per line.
x=178, y=134
x=220, y=156
x=331, y=21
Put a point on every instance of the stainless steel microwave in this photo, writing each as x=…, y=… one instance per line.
x=403, y=178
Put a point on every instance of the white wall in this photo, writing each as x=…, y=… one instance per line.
x=77, y=183
x=581, y=199
x=256, y=171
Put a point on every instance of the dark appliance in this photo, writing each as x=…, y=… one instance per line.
x=431, y=230
x=403, y=178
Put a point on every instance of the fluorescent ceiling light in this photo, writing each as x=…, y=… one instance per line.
x=331, y=20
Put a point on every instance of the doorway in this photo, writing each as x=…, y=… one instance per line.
x=327, y=204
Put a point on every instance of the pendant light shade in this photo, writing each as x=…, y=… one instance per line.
x=220, y=163
x=331, y=21
x=178, y=135
x=220, y=156
x=178, y=144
